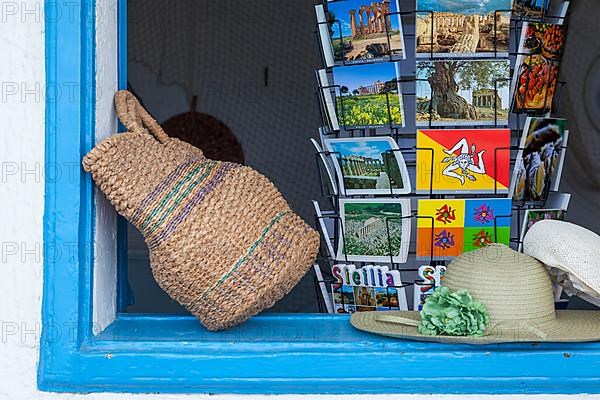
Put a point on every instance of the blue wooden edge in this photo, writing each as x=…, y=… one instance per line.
x=301, y=353
x=313, y=354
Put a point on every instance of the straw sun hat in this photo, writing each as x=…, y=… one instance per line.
x=517, y=292
x=571, y=254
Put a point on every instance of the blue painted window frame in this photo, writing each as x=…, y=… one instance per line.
x=303, y=353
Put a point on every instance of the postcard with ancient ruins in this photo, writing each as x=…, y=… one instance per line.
x=375, y=230
x=369, y=165
x=368, y=96
x=463, y=93
x=458, y=28
x=359, y=31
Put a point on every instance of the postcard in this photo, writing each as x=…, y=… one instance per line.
x=447, y=228
x=369, y=288
x=323, y=289
x=561, y=162
x=534, y=215
x=368, y=96
x=359, y=31
x=322, y=218
x=369, y=165
x=327, y=99
x=463, y=161
x=538, y=159
x=329, y=166
x=324, y=29
x=558, y=200
x=463, y=28
x=431, y=277
x=462, y=92
x=374, y=230
x=536, y=68
x=532, y=10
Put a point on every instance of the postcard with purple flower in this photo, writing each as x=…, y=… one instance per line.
x=449, y=227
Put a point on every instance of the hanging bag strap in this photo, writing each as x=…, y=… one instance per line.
x=136, y=118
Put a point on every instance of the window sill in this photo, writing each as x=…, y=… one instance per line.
x=312, y=353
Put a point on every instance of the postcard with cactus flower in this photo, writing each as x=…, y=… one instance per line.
x=463, y=161
x=374, y=230
x=459, y=28
x=447, y=228
x=369, y=165
x=359, y=31
x=462, y=92
x=368, y=96
x=539, y=160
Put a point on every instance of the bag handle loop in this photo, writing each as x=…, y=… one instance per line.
x=136, y=118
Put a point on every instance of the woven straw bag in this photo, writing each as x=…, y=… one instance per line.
x=223, y=242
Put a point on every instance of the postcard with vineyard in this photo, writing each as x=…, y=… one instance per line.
x=369, y=165
x=374, y=230
x=359, y=31
x=536, y=68
x=462, y=92
x=368, y=96
x=538, y=163
x=458, y=28
x=463, y=161
x=447, y=228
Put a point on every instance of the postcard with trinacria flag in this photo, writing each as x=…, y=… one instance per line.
x=463, y=161
x=447, y=228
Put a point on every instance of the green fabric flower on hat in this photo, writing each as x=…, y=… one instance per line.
x=453, y=314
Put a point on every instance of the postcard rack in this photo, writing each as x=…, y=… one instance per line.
x=516, y=21
x=405, y=137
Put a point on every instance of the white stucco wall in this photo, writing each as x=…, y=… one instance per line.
x=21, y=211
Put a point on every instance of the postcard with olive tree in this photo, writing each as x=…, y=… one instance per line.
x=463, y=92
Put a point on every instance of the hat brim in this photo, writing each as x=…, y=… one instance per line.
x=569, y=326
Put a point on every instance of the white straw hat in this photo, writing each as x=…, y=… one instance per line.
x=571, y=254
x=517, y=292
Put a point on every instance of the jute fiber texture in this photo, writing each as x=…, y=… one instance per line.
x=223, y=242
x=517, y=292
